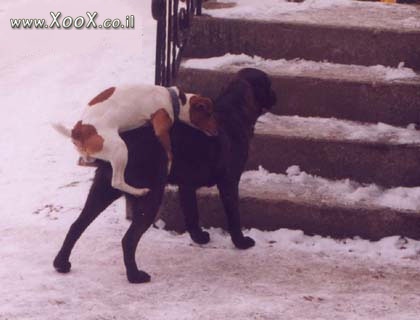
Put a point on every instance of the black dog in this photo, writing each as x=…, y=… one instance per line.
x=205, y=161
x=199, y=161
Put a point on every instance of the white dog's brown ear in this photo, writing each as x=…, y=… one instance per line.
x=193, y=100
x=202, y=115
x=203, y=103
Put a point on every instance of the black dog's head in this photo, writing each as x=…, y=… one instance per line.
x=244, y=100
x=264, y=96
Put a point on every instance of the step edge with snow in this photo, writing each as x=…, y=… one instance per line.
x=393, y=102
x=366, y=162
x=211, y=36
x=337, y=220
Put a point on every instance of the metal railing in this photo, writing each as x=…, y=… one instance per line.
x=173, y=23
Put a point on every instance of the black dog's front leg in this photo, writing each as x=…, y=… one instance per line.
x=229, y=193
x=188, y=200
x=101, y=195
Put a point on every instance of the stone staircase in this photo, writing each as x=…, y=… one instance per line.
x=328, y=116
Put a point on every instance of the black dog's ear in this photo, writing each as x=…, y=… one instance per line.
x=261, y=84
x=182, y=96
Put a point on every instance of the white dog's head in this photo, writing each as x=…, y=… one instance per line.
x=199, y=112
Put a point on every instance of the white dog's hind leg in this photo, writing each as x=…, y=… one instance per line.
x=115, y=151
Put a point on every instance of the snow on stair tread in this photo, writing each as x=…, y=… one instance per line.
x=296, y=186
x=305, y=68
x=343, y=13
x=336, y=130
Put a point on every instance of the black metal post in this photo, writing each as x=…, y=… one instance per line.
x=199, y=6
x=173, y=23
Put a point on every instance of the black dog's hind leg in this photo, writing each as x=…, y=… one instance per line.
x=144, y=213
x=100, y=196
x=188, y=200
x=229, y=193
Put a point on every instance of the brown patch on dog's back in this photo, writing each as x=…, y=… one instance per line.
x=86, y=138
x=104, y=95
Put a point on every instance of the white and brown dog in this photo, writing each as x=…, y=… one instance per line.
x=119, y=109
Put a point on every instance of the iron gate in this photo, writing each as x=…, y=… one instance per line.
x=173, y=24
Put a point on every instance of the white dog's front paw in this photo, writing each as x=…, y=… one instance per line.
x=140, y=191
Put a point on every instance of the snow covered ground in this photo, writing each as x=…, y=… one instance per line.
x=49, y=75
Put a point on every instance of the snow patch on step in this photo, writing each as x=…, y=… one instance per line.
x=250, y=9
x=340, y=13
x=298, y=184
x=334, y=129
x=301, y=67
x=393, y=248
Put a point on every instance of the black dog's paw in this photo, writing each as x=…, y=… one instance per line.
x=138, y=277
x=243, y=242
x=199, y=236
x=62, y=266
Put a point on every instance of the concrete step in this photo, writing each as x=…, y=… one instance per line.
x=337, y=149
x=356, y=33
x=360, y=93
x=316, y=206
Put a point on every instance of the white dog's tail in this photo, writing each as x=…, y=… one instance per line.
x=62, y=129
